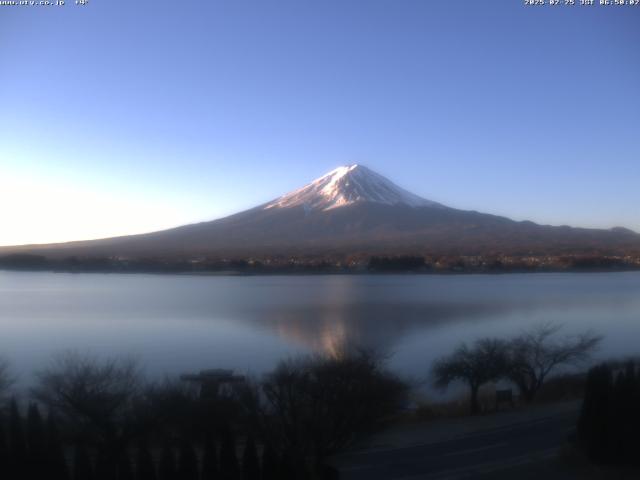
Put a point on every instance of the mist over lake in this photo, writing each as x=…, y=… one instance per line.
x=180, y=323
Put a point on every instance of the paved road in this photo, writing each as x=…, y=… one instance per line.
x=483, y=454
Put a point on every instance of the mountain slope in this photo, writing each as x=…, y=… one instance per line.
x=351, y=210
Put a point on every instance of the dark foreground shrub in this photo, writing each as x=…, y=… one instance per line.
x=316, y=406
x=610, y=418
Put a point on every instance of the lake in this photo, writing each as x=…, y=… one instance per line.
x=181, y=323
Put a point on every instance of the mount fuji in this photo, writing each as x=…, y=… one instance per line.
x=351, y=209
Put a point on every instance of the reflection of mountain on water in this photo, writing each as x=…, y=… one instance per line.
x=325, y=314
x=329, y=329
x=382, y=326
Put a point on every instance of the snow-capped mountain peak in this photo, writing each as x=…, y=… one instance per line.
x=347, y=185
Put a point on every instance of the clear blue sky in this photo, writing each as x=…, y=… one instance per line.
x=128, y=116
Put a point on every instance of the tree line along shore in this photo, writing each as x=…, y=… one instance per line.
x=355, y=264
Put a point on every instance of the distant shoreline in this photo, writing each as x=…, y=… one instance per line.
x=372, y=265
x=281, y=273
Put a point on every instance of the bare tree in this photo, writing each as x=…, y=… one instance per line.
x=93, y=396
x=484, y=361
x=316, y=405
x=535, y=353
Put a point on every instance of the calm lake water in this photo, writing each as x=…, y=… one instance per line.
x=179, y=323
